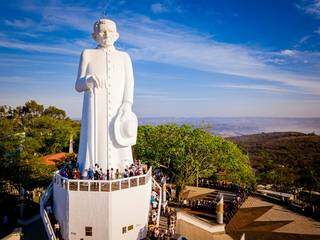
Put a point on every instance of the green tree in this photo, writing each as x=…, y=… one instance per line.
x=32, y=108
x=54, y=112
x=187, y=153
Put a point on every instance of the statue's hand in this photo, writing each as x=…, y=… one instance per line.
x=92, y=81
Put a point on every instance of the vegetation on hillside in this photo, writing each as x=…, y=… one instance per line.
x=27, y=133
x=287, y=160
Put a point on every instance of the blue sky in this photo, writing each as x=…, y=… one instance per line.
x=225, y=58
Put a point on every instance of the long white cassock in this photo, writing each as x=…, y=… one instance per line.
x=101, y=105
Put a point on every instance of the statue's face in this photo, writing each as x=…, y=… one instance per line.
x=105, y=34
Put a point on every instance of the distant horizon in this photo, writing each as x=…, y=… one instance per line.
x=239, y=126
x=166, y=117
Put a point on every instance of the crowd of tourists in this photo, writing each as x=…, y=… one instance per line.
x=70, y=170
x=154, y=205
x=203, y=205
x=166, y=231
x=160, y=177
x=312, y=210
x=222, y=185
x=230, y=207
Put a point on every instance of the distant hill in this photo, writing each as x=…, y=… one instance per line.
x=284, y=158
x=238, y=126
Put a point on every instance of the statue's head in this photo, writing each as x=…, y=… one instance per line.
x=105, y=32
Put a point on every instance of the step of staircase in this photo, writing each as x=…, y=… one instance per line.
x=163, y=224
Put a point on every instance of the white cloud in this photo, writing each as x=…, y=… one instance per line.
x=158, y=8
x=29, y=24
x=62, y=49
x=21, y=80
x=288, y=52
x=20, y=23
x=11, y=60
x=276, y=60
x=311, y=7
x=265, y=88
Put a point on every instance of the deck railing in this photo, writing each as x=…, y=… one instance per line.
x=101, y=185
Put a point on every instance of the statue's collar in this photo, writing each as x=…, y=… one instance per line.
x=107, y=48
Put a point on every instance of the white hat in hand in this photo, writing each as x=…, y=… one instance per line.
x=125, y=128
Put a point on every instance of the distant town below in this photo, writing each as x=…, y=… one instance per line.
x=238, y=126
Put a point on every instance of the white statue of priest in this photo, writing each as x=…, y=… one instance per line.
x=108, y=126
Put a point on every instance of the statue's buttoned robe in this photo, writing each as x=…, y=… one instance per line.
x=113, y=68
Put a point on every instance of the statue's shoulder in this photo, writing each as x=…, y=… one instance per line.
x=123, y=54
x=89, y=51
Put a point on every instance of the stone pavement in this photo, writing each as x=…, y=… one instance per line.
x=260, y=219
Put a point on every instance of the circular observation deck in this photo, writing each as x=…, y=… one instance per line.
x=88, y=185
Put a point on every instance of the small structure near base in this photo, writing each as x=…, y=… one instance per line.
x=219, y=210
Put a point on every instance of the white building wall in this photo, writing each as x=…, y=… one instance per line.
x=106, y=212
x=61, y=207
x=130, y=207
x=88, y=209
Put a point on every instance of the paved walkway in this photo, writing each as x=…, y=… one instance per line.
x=34, y=231
x=260, y=219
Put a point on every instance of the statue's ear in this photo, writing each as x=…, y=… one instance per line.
x=93, y=35
x=116, y=36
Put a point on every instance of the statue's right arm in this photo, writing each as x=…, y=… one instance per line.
x=82, y=79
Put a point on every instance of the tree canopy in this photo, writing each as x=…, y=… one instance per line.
x=187, y=152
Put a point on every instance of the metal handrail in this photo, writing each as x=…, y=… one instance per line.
x=156, y=184
x=44, y=215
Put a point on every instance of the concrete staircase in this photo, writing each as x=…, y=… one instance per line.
x=163, y=223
